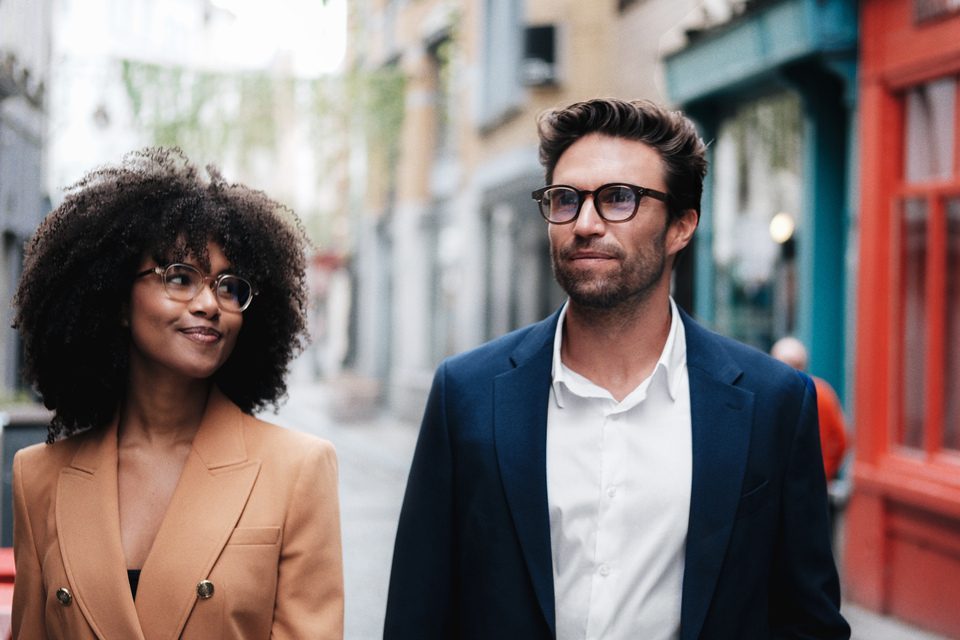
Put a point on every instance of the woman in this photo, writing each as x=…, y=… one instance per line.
x=158, y=310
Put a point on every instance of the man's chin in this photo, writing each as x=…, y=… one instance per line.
x=598, y=298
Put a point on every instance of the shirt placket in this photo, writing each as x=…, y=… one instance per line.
x=606, y=561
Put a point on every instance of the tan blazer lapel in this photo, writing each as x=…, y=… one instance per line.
x=88, y=526
x=206, y=505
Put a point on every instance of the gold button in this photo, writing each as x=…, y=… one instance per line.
x=63, y=595
x=204, y=589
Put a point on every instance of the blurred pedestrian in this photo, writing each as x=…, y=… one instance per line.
x=833, y=428
x=616, y=470
x=158, y=310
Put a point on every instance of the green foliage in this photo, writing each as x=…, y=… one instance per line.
x=13, y=398
x=218, y=114
x=220, y=117
x=378, y=97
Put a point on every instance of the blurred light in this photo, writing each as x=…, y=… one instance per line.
x=782, y=227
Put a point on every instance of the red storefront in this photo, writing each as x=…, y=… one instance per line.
x=903, y=523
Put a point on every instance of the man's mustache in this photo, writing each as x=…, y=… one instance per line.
x=589, y=244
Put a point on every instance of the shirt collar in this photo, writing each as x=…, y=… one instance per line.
x=672, y=361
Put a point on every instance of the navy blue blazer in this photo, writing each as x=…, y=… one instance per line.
x=472, y=556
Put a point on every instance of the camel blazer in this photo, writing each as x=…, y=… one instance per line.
x=255, y=513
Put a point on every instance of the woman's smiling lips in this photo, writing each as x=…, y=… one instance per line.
x=202, y=335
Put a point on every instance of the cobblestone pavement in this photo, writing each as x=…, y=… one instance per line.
x=374, y=454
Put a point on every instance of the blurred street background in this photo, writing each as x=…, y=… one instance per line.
x=403, y=134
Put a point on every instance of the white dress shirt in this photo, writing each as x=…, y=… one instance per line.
x=618, y=486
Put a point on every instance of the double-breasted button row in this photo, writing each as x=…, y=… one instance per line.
x=204, y=591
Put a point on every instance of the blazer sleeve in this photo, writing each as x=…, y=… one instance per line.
x=309, y=600
x=833, y=428
x=805, y=597
x=422, y=580
x=28, y=595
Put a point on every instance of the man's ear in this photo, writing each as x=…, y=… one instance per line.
x=680, y=231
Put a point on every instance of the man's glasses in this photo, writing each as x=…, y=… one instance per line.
x=618, y=202
x=183, y=283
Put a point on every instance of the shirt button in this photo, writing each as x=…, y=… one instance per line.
x=604, y=570
x=611, y=491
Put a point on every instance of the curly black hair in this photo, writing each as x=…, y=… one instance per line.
x=80, y=265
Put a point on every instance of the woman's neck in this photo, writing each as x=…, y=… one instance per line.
x=162, y=409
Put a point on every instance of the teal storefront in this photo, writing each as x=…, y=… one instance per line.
x=774, y=93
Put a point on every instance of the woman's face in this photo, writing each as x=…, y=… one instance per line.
x=190, y=339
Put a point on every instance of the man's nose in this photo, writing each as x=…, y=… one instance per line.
x=589, y=222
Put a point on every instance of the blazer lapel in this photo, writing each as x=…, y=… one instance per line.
x=721, y=418
x=210, y=496
x=520, y=399
x=88, y=526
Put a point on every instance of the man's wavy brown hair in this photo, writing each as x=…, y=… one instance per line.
x=80, y=265
x=670, y=133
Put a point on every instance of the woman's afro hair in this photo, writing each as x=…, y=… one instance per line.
x=80, y=265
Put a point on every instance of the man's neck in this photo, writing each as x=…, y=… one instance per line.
x=616, y=349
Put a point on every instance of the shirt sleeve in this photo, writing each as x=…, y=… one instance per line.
x=833, y=430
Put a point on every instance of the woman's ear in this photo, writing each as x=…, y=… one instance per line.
x=125, y=316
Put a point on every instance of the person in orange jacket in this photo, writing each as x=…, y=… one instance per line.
x=833, y=430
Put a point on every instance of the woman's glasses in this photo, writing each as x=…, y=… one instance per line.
x=183, y=283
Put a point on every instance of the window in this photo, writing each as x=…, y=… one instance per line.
x=914, y=261
x=441, y=65
x=501, y=90
x=930, y=126
x=951, y=427
x=928, y=270
x=758, y=180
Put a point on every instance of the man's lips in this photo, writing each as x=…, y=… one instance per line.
x=590, y=255
x=203, y=335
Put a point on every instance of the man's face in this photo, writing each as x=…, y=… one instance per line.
x=600, y=264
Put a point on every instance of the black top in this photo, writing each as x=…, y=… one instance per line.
x=133, y=575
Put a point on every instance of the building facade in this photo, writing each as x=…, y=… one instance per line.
x=773, y=87
x=25, y=40
x=449, y=248
x=903, y=522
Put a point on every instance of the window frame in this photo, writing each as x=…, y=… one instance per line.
x=935, y=194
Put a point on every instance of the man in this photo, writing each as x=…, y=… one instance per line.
x=833, y=429
x=616, y=471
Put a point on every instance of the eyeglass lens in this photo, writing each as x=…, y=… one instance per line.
x=184, y=282
x=613, y=202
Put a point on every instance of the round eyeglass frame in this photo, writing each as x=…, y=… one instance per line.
x=214, y=282
x=638, y=194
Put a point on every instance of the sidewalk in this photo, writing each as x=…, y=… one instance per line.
x=867, y=625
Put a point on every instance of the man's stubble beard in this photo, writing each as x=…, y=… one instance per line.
x=638, y=276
